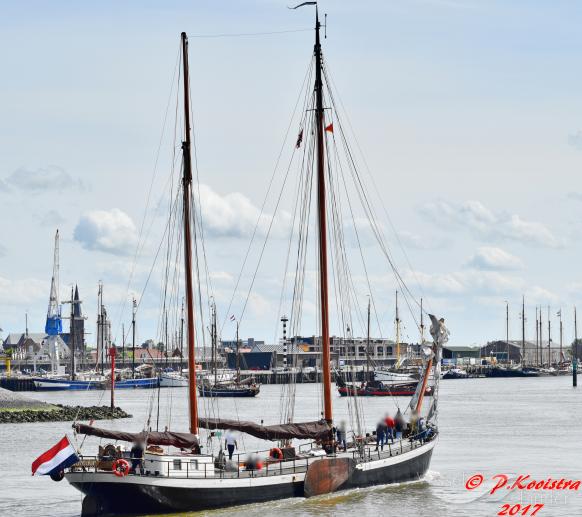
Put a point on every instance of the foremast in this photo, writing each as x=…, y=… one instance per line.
x=322, y=226
x=186, y=184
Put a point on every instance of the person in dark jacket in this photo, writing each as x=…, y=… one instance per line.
x=380, y=435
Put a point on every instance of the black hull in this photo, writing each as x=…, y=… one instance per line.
x=147, y=495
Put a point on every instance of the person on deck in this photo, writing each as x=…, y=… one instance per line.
x=137, y=457
x=342, y=435
x=380, y=435
x=399, y=424
x=422, y=431
x=230, y=443
x=389, y=421
x=413, y=424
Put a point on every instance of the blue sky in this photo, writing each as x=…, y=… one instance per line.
x=469, y=114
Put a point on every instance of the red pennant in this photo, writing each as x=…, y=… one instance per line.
x=330, y=128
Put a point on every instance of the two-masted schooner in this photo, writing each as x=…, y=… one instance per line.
x=175, y=475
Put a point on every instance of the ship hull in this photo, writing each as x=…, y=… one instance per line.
x=232, y=392
x=107, y=495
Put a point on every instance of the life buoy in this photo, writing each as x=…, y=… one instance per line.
x=121, y=467
x=276, y=453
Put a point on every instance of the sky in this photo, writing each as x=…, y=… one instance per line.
x=468, y=114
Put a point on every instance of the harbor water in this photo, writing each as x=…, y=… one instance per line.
x=487, y=426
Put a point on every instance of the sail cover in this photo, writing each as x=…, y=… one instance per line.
x=318, y=430
x=180, y=440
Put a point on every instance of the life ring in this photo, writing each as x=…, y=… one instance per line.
x=121, y=467
x=276, y=453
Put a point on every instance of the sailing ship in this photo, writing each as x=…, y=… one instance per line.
x=190, y=480
x=237, y=387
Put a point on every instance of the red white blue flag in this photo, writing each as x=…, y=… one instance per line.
x=57, y=458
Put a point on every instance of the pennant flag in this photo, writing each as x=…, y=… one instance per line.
x=232, y=318
x=299, y=139
x=56, y=459
x=329, y=128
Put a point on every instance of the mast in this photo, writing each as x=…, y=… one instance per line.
x=214, y=344
x=575, y=354
x=237, y=355
x=186, y=183
x=507, y=329
x=322, y=226
x=523, y=331
x=397, y=321
x=368, y=346
x=541, y=339
x=102, y=328
x=134, y=307
x=421, y=324
x=561, y=333
x=72, y=335
x=182, y=337
x=537, y=340
x=549, y=338
x=123, y=345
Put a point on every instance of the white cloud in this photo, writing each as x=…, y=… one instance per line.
x=489, y=225
x=52, y=219
x=495, y=259
x=110, y=231
x=51, y=178
x=234, y=215
x=24, y=291
x=477, y=284
x=414, y=241
x=575, y=140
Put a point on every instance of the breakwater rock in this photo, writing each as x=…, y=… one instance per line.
x=58, y=413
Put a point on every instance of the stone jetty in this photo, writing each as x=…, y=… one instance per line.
x=16, y=408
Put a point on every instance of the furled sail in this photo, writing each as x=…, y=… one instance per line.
x=319, y=430
x=181, y=440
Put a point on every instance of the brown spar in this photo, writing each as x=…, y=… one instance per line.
x=180, y=440
x=318, y=430
x=186, y=182
x=322, y=229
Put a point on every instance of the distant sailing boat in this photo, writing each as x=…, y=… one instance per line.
x=237, y=387
x=187, y=479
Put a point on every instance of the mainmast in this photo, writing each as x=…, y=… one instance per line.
x=507, y=330
x=397, y=322
x=133, y=309
x=322, y=226
x=186, y=183
x=523, y=331
x=549, y=338
x=421, y=324
x=368, y=377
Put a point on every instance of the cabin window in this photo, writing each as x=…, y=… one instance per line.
x=194, y=464
x=177, y=464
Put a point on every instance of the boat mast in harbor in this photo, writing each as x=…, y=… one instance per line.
x=189, y=291
x=322, y=226
x=523, y=331
x=421, y=323
x=549, y=338
x=397, y=322
x=507, y=331
x=134, y=308
x=575, y=352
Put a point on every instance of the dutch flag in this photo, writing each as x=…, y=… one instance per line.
x=56, y=459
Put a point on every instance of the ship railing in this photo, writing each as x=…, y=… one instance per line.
x=244, y=469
